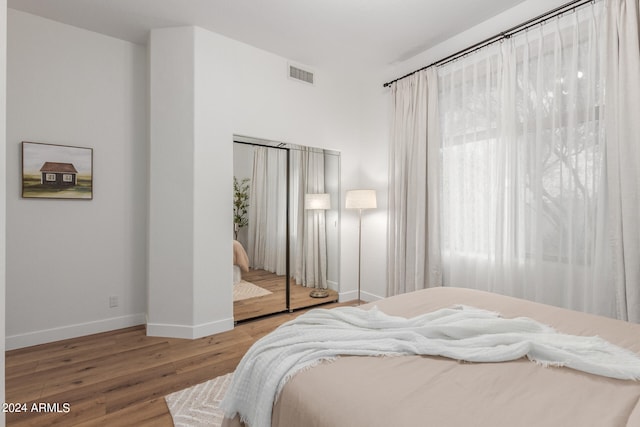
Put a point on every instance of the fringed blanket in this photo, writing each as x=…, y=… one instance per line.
x=461, y=333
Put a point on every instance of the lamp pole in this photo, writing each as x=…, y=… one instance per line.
x=359, y=249
x=360, y=199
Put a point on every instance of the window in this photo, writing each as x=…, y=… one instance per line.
x=522, y=142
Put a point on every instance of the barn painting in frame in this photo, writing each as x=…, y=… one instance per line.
x=52, y=171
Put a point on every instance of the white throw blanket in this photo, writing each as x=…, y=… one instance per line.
x=462, y=333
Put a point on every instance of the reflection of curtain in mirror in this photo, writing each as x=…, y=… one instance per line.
x=309, y=238
x=267, y=207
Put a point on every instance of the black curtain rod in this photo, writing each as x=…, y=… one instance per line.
x=500, y=36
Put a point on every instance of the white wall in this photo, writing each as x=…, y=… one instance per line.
x=170, y=290
x=213, y=184
x=93, y=94
x=191, y=171
x=267, y=104
x=245, y=91
x=66, y=257
x=524, y=11
x=71, y=86
x=376, y=103
x=3, y=123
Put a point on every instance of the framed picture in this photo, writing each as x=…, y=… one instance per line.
x=56, y=171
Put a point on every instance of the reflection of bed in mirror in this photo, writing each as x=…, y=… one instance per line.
x=282, y=238
x=240, y=261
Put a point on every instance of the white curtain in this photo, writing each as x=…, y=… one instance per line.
x=623, y=154
x=414, y=183
x=309, y=238
x=523, y=139
x=267, y=207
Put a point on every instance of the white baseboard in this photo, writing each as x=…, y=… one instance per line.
x=347, y=296
x=333, y=285
x=369, y=297
x=353, y=295
x=187, y=331
x=72, y=331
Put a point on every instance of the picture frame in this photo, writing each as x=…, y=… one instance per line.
x=51, y=171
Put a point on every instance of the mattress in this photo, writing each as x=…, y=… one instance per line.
x=418, y=391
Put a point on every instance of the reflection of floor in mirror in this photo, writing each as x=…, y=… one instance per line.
x=276, y=301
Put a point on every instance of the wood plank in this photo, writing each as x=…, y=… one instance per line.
x=103, y=368
x=58, y=348
x=22, y=369
x=140, y=391
x=87, y=354
x=120, y=378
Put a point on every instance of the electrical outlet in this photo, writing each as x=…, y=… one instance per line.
x=113, y=301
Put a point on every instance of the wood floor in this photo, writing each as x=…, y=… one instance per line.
x=276, y=301
x=120, y=378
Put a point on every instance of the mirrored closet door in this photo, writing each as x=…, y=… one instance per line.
x=286, y=222
x=261, y=258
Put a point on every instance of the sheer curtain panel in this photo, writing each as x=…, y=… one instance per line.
x=309, y=241
x=623, y=154
x=414, y=183
x=267, y=247
x=523, y=185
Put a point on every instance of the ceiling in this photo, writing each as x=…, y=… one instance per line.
x=312, y=32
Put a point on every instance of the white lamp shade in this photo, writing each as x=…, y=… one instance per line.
x=361, y=199
x=317, y=201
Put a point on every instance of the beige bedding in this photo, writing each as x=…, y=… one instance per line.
x=435, y=391
x=240, y=257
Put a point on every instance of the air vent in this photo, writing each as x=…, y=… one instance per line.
x=299, y=74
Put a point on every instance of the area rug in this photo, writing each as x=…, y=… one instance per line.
x=245, y=290
x=197, y=406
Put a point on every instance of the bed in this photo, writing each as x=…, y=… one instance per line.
x=417, y=390
x=240, y=261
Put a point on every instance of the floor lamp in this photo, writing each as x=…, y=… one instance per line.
x=360, y=199
x=320, y=201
